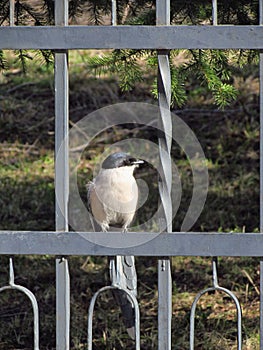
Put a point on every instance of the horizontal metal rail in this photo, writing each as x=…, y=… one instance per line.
x=140, y=244
x=133, y=37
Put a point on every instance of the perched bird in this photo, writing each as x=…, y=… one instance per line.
x=112, y=202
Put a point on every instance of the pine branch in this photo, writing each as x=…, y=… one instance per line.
x=214, y=72
x=178, y=92
x=4, y=11
x=3, y=61
x=48, y=11
x=123, y=63
x=23, y=56
x=44, y=57
x=130, y=73
x=39, y=19
x=75, y=9
x=213, y=68
x=101, y=64
x=95, y=16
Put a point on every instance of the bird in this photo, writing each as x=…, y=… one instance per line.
x=112, y=203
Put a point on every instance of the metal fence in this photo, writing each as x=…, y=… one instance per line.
x=62, y=243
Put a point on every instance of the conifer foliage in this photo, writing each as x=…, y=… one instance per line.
x=212, y=68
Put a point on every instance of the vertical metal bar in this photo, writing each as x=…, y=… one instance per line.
x=62, y=182
x=162, y=12
x=261, y=304
x=214, y=12
x=165, y=183
x=164, y=304
x=114, y=12
x=261, y=172
x=12, y=13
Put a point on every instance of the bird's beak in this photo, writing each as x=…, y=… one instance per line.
x=138, y=162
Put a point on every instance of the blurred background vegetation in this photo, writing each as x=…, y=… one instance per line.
x=216, y=92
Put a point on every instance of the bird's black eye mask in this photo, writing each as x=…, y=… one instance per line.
x=118, y=160
x=129, y=161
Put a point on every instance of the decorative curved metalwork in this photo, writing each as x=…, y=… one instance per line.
x=30, y=295
x=136, y=309
x=211, y=289
x=165, y=138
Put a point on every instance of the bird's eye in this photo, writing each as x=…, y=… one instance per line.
x=131, y=161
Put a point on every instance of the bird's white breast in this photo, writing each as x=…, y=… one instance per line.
x=117, y=189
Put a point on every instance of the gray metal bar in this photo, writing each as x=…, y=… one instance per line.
x=165, y=181
x=61, y=166
x=92, y=243
x=62, y=182
x=62, y=304
x=132, y=243
x=62, y=273
x=214, y=12
x=134, y=37
x=164, y=304
x=261, y=305
x=162, y=12
x=114, y=12
x=12, y=12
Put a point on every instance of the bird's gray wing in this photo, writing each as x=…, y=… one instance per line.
x=123, y=275
x=89, y=186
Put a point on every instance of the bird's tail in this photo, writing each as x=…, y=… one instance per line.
x=123, y=275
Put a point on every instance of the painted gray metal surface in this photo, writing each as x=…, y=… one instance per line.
x=214, y=12
x=62, y=304
x=61, y=125
x=164, y=304
x=12, y=12
x=62, y=182
x=165, y=181
x=170, y=244
x=134, y=37
x=113, y=12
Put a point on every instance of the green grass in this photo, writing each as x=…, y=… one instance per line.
x=230, y=140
